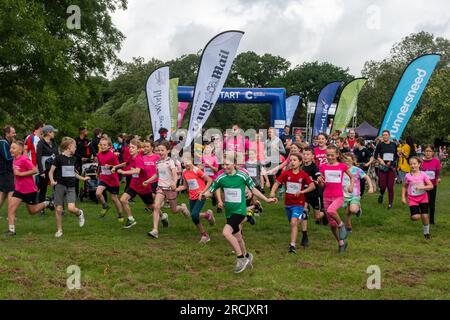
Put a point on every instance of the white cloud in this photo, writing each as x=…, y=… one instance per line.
x=343, y=32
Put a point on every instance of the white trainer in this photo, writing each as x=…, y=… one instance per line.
x=81, y=218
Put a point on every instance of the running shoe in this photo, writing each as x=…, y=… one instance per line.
x=359, y=213
x=343, y=248
x=305, y=241
x=427, y=236
x=129, y=223
x=250, y=218
x=104, y=211
x=380, y=198
x=250, y=260
x=81, y=220
x=349, y=230
x=50, y=205
x=185, y=211
x=342, y=233
x=164, y=219
x=9, y=233
x=154, y=234
x=241, y=264
x=211, y=220
x=390, y=206
x=204, y=239
x=58, y=234
x=292, y=249
x=120, y=218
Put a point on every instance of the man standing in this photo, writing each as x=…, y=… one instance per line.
x=286, y=135
x=6, y=165
x=351, y=139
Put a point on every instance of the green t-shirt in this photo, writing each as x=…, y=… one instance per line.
x=233, y=187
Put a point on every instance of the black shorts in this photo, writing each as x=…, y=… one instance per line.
x=234, y=221
x=146, y=198
x=154, y=187
x=112, y=190
x=313, y=199
x=7, y=182
x=28, y=198
x=422, y=208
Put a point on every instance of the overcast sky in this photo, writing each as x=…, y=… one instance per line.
x=343, y=32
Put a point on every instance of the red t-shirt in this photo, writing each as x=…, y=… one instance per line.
x=137, y=180
x=195, y=182
x=294, y=184
x=26, y=184
x=126, y=157
x=320, y=156
x=150, y=164
x=105, y=159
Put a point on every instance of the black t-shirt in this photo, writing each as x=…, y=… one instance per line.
x=387, y=152
x=362, y=156
x=65, y=170
x=313, y=172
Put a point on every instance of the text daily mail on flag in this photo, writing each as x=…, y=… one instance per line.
x=157, y=91
x=215, y=65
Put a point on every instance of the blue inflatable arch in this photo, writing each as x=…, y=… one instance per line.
x=275, y=96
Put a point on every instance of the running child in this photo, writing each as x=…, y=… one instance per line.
x=333, y=197
x=313, y=198
x=233, y=183
x=197, y=182
x=432, y=167
x=258, y=174
x=320, y=152
x=294, y=200
x=210, y=166
x=137, y=187
x=63, y=169
x=416, y=184
x=352, y=200
x=167, y=185
x=25, y=189
x=108, y=180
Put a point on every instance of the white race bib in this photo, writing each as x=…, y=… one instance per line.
x=68, y=171
x=162, y=174
x=233, y=195
x=388, y=157
x=208, y=171
x=135, y=175
x=105, y=171
x=431, y=174
x=415, y=192
x=252, y=172
x=293, y=188
x=193, y=184
x=333, y=176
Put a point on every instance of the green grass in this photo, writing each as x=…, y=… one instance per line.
x=126, y=264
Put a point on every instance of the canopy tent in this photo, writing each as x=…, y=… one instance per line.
x=366, y=130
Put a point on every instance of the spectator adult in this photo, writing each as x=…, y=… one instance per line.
x=364, y=159
x=95, y=143
x=286, y=134
x=351, y=139
x=32, y=140
x=6, y=165
x=47, y=150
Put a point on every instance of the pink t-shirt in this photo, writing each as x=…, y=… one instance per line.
x=150, y=164
x=432, y=169
x=165, y=177
x=106, y=159
x=333, y=176
x=213, y=161
x=137, y=180
x=320, y=156
x=412, y=181
x=26, y=184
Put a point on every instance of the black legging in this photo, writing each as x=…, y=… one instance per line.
x=432, y=202
x=43, y=183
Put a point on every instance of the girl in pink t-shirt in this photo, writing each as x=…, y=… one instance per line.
x=197, y=182
x=333, y=196
x=150, y=160
x=320, y=152
x=432, y=167
x=416, y=185
x=24, y=187
x=108, y=180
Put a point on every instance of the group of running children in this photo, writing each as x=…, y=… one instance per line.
x=321, y=178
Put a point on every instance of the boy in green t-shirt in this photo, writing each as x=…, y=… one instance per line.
x=233, y=183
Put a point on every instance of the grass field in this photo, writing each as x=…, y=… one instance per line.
x=126, y=264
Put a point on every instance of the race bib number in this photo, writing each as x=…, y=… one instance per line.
x=68, y=171
x=193, y=184
x=293, y=188
x=135, y=175
x=333, y=176
x=252, y=172
x=209, y=172
x=431, y=174
x=233, y=195
x=388, y=157
x=105, y=171
x=415, y=192
x=163, y=175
